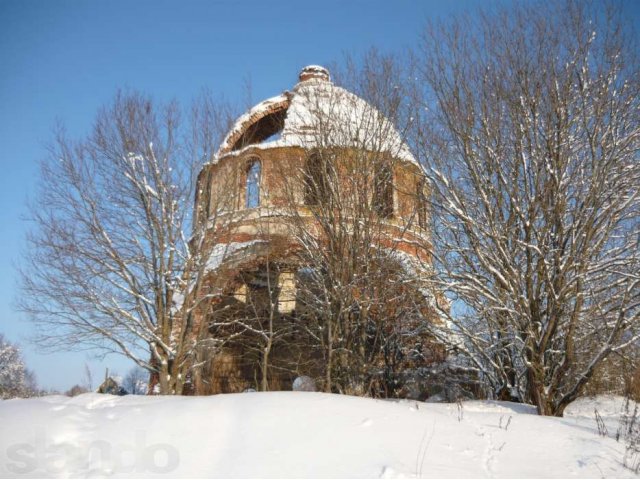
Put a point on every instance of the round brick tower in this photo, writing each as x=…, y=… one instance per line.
x=266, y=196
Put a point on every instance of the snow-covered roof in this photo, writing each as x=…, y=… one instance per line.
x=316, y=113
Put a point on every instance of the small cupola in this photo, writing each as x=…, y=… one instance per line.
x=314, y=72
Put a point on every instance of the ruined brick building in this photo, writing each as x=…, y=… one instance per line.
x=293, y=175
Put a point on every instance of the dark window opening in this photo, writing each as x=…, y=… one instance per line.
x=252, y=192
x=268, y=127
x=383, y=191
x=422, y=205
x=316, y=178
x=309, y=291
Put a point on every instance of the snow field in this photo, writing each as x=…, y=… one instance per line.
x=301, y=434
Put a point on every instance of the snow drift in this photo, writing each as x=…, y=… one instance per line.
x=298, y=434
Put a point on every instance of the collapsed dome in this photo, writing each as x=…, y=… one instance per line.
x=315, y=114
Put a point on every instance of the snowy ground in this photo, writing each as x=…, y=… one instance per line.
x=291, y=434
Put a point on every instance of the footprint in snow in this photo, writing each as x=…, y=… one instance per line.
x=388, y=472
x=367, y=422
x=469, y=452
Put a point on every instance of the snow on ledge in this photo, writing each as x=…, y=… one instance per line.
x=223, y=251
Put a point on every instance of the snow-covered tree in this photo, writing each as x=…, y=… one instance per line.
x=531, y=134
x=136, y=382
x=365, y=311
x=15, y=379
x=113, y=261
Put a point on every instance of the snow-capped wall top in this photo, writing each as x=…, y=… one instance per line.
x=315, y=114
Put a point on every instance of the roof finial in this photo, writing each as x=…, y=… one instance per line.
x=315, y=72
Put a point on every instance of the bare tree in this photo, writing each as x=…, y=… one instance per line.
x=249, y=317
x=87, y=378
x=363, y=306
x=531, y=133
x=114, y=262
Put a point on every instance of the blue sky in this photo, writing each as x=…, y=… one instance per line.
x=62, y=59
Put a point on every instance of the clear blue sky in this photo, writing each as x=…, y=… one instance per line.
x=61, y=60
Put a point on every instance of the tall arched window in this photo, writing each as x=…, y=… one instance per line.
x=252, y=191
x=422, y=206
x=383, y=190
x=316, y=179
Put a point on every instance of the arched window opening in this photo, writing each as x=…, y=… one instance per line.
x=203, y=196
x=383, y=191
x=266, y=128
x=316, y=178
x=422, y=205
x=252, y=191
